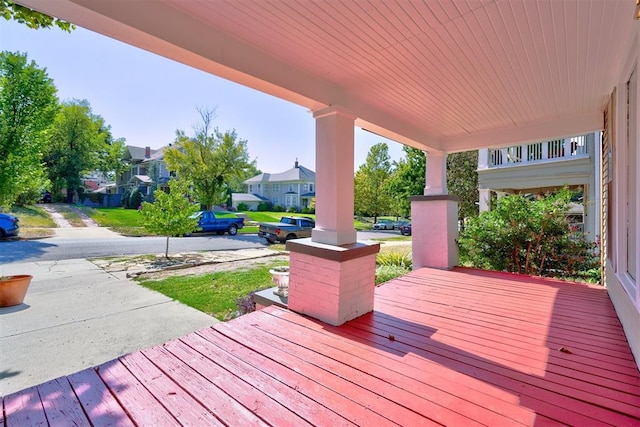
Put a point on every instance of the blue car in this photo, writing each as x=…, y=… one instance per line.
x=8, y=225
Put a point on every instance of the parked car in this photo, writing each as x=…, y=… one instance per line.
x=289, y=227
x=383, y=224
x=208, y=222
x=46, y=197
x=8, y=225
x=405, y=229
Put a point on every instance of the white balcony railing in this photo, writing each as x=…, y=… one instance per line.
x=538, y=152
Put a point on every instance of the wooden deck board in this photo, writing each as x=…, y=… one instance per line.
x=458, y=347
x=99, y=404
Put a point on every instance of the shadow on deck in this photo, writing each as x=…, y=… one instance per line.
x=461, y=347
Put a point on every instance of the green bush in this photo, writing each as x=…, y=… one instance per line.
x=308, y=210
x=135, y=200
x=243, y=207
x=394, y=259
x=278, y=208
x=384, y=273
x=125, y=198
x=264, y=206
x=528, y=237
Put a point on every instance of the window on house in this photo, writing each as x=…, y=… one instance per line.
x=311, y=188
x=305, y=187
x=259, y=186
x=276, y=200
x=276, y=188
x=290, y=187
x=250, y=188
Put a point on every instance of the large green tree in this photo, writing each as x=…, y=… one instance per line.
x=28, y=105
x=462, y=181
x=31, y=18
x=210, y=160
x=371, y=194
x=77, y=141
x=408, y=179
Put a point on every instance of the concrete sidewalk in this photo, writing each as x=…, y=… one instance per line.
x=76, y=316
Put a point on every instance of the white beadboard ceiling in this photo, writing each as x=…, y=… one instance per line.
x=435, y=74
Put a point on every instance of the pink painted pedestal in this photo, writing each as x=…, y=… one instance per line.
x=434, y=230
x=331, y=283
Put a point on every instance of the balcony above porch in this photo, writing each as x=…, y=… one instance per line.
x=539, y=165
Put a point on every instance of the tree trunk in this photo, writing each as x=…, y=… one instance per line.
x=70, y=195
x=166, y=251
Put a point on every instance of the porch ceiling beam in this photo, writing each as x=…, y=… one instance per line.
x=528, y=133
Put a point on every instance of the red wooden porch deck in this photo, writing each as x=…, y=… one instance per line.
x=461, y=347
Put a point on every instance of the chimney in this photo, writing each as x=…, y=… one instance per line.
x=147, y=152
x=295, y=165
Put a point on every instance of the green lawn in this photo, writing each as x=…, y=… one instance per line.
x=214, y=293
x=116, y=217
x=358, y=223
x=33, y=217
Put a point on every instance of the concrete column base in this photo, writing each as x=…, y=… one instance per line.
x=434, y=230
x=333, y=284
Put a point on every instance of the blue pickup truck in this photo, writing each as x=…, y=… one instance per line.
x=207, y=222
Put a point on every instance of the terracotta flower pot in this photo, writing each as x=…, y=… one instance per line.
x=13, y=289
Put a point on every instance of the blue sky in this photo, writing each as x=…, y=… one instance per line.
x=145, y=97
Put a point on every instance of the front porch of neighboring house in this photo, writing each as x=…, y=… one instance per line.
x=461, y=348
x=543, y=166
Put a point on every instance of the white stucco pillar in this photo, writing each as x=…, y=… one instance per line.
x=485, y=199
x=434, y=219
x=334, y=177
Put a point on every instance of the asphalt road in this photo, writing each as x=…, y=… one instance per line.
x=53, y=249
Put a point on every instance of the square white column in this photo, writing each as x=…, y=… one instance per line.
x=334, y=177
x=436, y=173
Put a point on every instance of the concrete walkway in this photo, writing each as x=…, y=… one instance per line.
x=66, y=230
x=76, y=315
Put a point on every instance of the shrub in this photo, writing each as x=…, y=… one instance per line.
x=243, y=207
x=308, y=210
x=264, y=206
x=394, y=259
x=246, y=304
x=125, y=198
x=135, y=200
x=528, y=237
x=278, y=208
x=292, y=209
x=384, y=273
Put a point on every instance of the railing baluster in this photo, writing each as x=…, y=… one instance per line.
x=539, y=151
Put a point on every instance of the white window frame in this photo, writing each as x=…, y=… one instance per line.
x=621, y=190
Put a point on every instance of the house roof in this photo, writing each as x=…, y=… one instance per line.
x=142, y=178
x=136, y=153
x=246, y=197
x=299, y=173
x=447, y=75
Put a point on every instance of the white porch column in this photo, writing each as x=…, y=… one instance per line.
x=436, y=173
x=483, y=159
x=334, y=177
x=331, y=276
x=485, y=199
x=434, y=219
